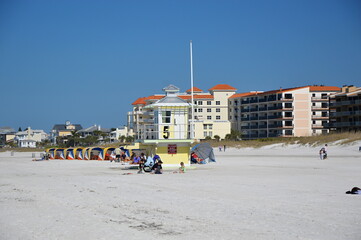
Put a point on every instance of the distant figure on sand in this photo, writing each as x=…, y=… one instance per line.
x=117, y=154
x=224, y=148
x=355, y=190
x=220, y=148
x=157, y=167
x=323, y=152
x=182, y=168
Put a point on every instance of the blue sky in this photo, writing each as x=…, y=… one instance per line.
x=87, y=61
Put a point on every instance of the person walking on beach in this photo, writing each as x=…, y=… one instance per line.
x=220, y=148
x=325, y=151
x=117, y=154
x=224, y=148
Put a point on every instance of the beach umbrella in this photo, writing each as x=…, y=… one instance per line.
x=204, y=151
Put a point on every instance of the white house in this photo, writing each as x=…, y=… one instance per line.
x=30, y=137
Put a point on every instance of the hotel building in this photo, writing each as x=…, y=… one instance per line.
x=300, y=111
x=345, y=110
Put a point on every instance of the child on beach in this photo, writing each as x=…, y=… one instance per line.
x=182, y=168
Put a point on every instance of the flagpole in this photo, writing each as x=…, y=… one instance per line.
x=192, y=101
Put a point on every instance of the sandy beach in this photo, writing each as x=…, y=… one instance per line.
x=275, y=192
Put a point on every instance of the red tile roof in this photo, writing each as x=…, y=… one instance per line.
x=139, y=101
x=143, y=100
x=222, y=87
x=243, y=94
x=324, y=89
x=198, y=96
x=195, y=89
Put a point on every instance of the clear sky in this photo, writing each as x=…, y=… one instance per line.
x=87, y=61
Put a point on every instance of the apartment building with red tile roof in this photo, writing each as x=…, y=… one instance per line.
x=299, y=111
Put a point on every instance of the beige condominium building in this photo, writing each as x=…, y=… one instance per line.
x=210, y=111
x=345, y=110
x=299, y=111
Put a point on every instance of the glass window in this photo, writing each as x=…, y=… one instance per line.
x=218, y=102
x=200, y=110
x=209, y=117
x=200, y=103
x=218, y=110
x=209, y=103
x=166, y=116
x=218, y=117
x=209, y=109
x=205, y=134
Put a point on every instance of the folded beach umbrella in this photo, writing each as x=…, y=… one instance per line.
x=204, y=151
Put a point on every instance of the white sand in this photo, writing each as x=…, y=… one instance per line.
x=275, y=192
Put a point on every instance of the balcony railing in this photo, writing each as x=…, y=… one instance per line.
x=345, y=124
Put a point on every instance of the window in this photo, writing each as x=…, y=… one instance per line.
x=313, y=113
x=209, y=103
x=210, y=134
x=200, y=109
x=288, y=96
x=205, y=134
x=288, y=132
x=218, y=102
x=218, y=110
x=288, y=105
x=313, y=104
x=218, y=117
x=209, y=109
x=230, y=102
x=288, y=114
x=313, y=94
x=166, y=116
x=288, y=123
x=209, y=117
x=195, y=110
x=200, y=103
x=207, y=126
x=195, y=102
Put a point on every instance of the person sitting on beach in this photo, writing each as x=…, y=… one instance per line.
x=182, y=168
x=141, y=164
x=157, y=167
x=355, y=190
x=136, y=160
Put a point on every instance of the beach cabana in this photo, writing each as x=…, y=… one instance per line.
x=96, y=153
x=70, y=154
x=109, y=153
x=79, y=153
x=86, y=155
x=60, y=153
x=51, y=152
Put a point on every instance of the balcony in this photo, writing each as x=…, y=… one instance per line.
x=314, y=108
x=319, y=99
x=346, y=113
x=320, y=117
x=345, y=124
x=286, y=99
x=317, y=126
